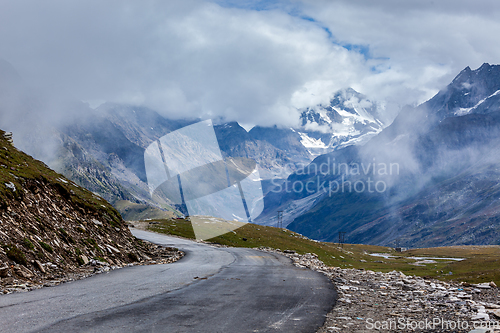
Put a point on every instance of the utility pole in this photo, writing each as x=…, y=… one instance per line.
x=280, y=219
x=398, y=246
x=341, y=238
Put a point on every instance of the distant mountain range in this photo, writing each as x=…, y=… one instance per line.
x=103, y=149
x=442, y=190
x=446, y=190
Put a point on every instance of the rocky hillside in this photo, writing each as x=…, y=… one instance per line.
x=52, y=229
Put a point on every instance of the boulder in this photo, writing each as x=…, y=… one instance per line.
x=4, y=272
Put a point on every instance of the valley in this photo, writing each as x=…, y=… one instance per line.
x=250, y=166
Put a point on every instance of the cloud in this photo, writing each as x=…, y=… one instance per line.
x=254, y=63
x=415, y=47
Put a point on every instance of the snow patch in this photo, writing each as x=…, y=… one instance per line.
x=464, y=111
x=309, y=142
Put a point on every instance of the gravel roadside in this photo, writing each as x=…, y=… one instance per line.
x=394, y=302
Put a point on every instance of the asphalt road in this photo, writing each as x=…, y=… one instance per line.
x=209, y=290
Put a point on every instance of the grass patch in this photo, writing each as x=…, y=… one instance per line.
x=67, y=238
x=46, y=247
x=176, y=227
x=131, y=211
x=80, y=261
x=90, y=242
x=481, y=264
x=28, y=244
x=13, y=253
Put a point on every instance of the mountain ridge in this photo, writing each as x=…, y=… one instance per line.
x=441, y=159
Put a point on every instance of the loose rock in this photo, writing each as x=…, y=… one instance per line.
x=366, y=297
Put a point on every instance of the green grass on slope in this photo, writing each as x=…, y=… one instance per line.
x=17, y=169
x=131, y=211
x=481, y=263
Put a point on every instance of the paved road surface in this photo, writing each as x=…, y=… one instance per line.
x=236, y=290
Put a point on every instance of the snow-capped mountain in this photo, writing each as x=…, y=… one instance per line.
x=471, y=92
x=349, y=119
x=103, y=149
x=445, y=190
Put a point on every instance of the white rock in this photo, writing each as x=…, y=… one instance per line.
x=481, y=316
x=485, y=285
x=495, y=312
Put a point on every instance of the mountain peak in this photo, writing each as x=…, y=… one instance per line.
x=467, y=91
x=483, y=67
x=463, y=75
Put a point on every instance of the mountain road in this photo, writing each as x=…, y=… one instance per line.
x=210, y=289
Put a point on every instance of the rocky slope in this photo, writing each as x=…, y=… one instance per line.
x=52, y=230
x=395, y=302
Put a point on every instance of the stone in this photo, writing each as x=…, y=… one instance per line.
x=113, y=249
x=39, y=266
x=481, y=316
x=480, y=330
x=408, y=287
x=495, y=312
x=464, y=296
x=96, y=222
x=4, y=272
x=483, y=285
x=392, y=295
x=85, y=259
x=23, y=272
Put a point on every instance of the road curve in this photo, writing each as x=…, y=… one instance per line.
x=209, y=290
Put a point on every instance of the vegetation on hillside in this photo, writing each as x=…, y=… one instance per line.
x=131, y=211
x=17, y=168
x=480, y=264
